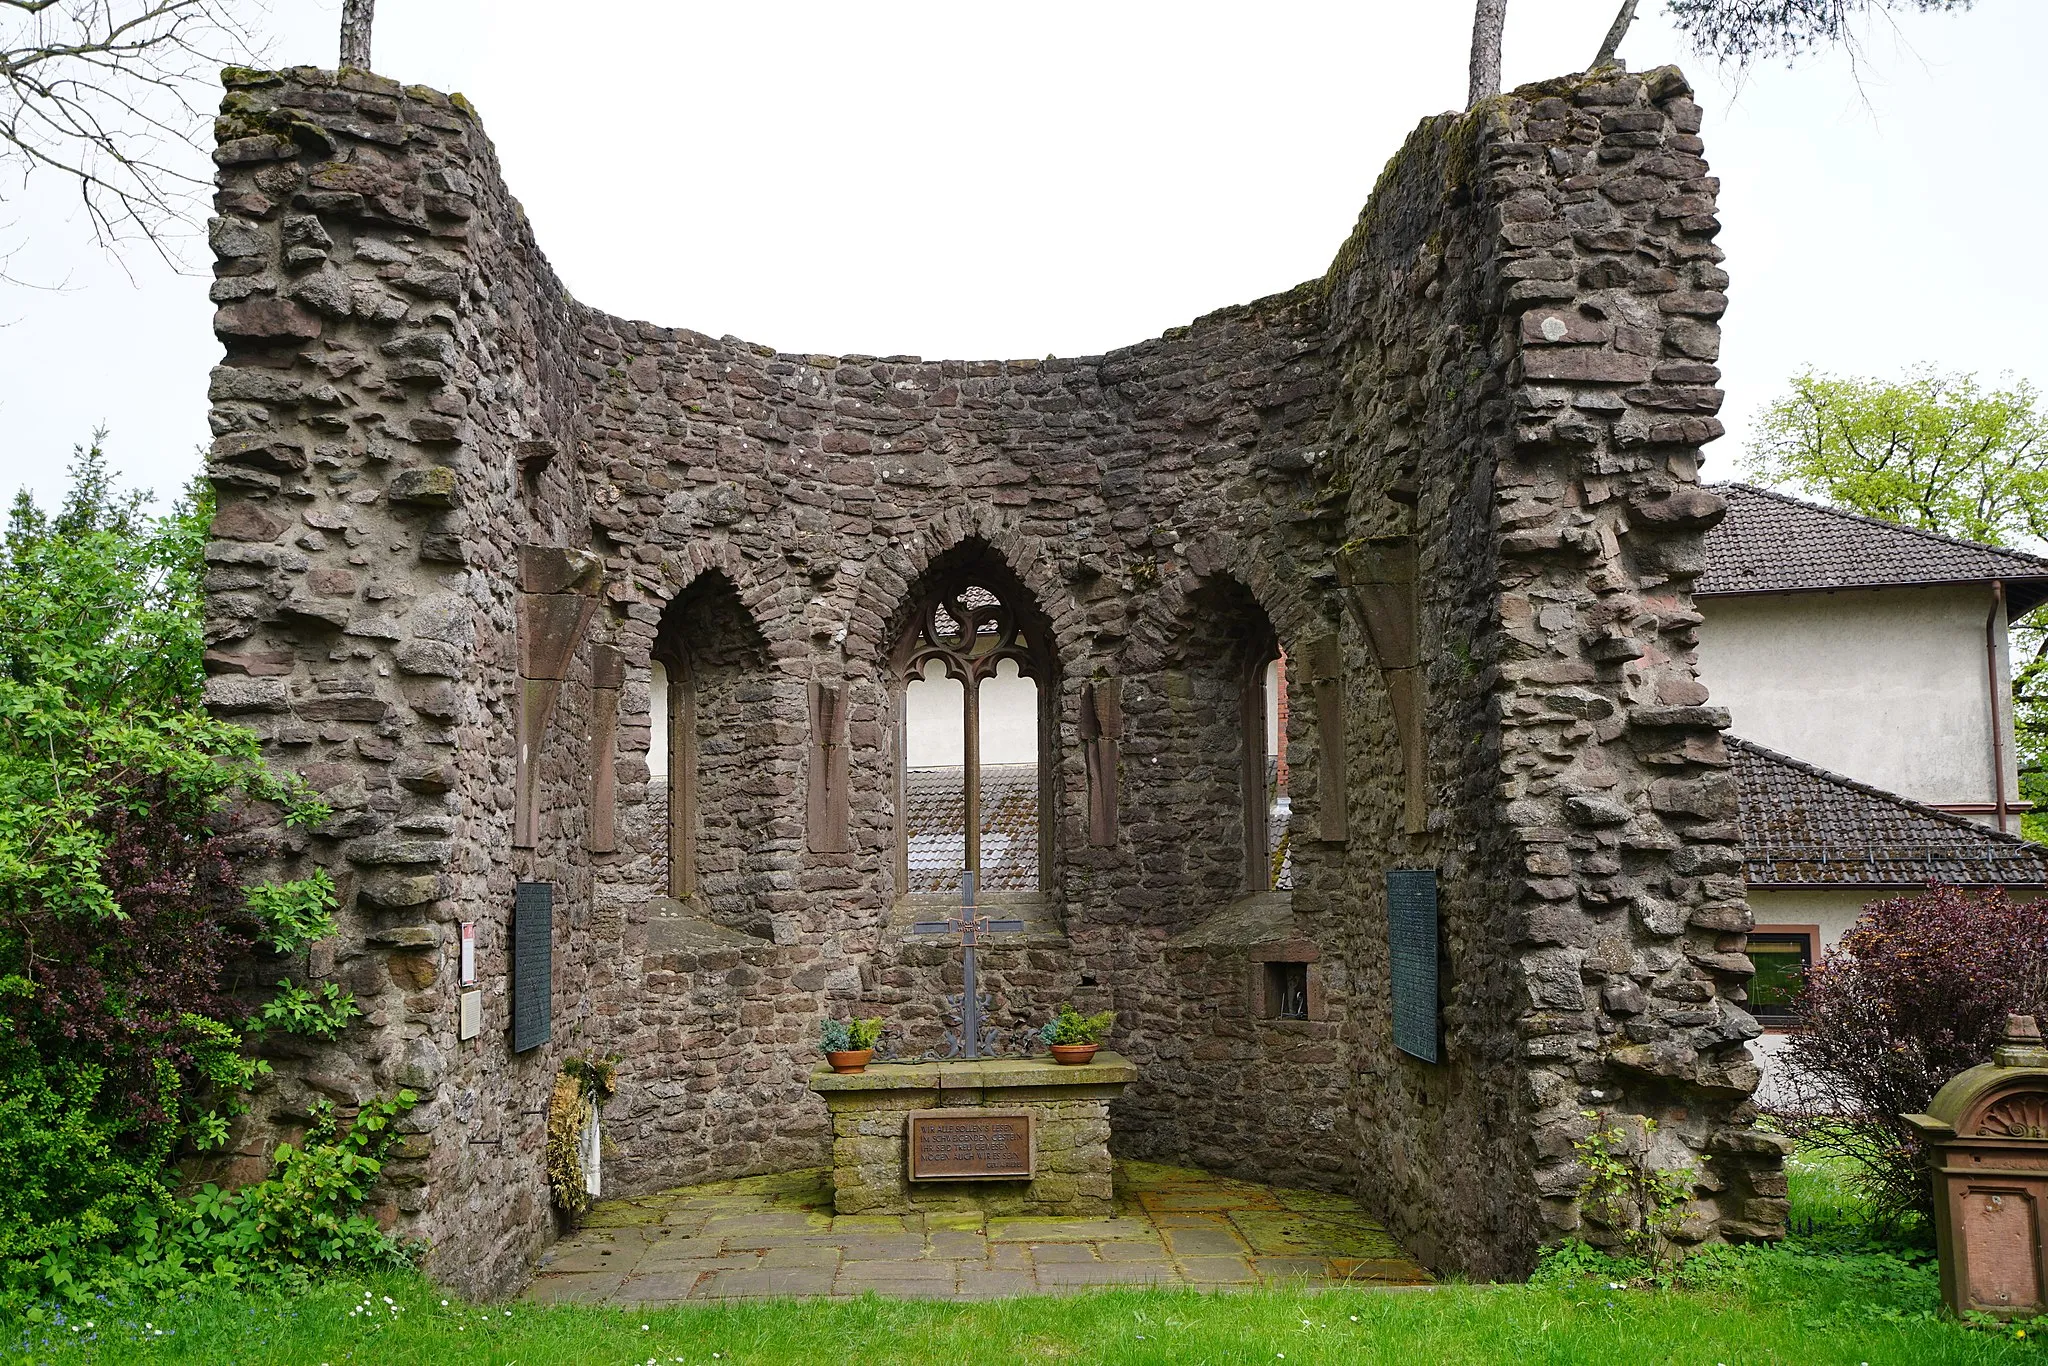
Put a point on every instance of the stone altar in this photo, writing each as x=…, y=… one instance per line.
x=1067, y=1133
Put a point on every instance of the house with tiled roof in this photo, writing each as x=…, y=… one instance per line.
x=1866, y=671
x=1869, y=649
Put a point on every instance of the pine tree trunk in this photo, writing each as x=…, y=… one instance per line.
x=1488, y=17
x=355, y=32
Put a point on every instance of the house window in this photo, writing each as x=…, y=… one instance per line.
x=1782, y=954
x=973, y=674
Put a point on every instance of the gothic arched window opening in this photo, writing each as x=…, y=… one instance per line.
x=712, y=721
x=1205, y=762
x=976, y=679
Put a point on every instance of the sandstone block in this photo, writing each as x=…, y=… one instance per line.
x=1583, y=809
x=387, y=849
x=259, y=449
x=430, y=486
x=431, y=657
x=233, y=696
x=1585, y=364
x=1659, y=718
x=264, y=320
x=396, y=891
x=407, y=938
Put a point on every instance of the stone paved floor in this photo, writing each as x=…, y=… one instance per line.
x=777, y=1235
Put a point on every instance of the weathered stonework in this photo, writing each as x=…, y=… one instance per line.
x=871, y=1111
x=1455, y=477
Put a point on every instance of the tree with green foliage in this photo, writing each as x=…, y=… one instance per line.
x=128, y=935
x=1940, y=453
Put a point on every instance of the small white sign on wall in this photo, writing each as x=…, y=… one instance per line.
x=472, y=1022
x=468, y=953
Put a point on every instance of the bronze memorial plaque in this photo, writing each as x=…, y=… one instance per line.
x=973, y=1145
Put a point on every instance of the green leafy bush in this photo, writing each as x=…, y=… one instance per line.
x=305, y=1217
x=124, y=919
x=311, y=1014
x=294, y=915
x=79, y=1181
x=1070, y=1026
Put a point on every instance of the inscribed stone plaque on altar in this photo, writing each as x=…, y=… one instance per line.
x=973, y=1145
x=1411, y=943
x=533, y=964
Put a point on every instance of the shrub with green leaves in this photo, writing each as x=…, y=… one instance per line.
x=1638, y=1205
x=1070, y=1026
x=308, y=1013
x=305, y=1217
x=125, y=922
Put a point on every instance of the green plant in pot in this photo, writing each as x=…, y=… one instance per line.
x=849, y=1044
x=1074, y=1037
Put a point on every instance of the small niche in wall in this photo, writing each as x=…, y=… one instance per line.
x=1286, y=991
x=1286, y=981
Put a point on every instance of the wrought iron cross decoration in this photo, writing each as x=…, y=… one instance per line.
x=970, y=925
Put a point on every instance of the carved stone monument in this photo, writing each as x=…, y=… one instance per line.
x=1987, y=1136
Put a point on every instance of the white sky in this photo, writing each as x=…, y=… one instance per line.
x=979, y=180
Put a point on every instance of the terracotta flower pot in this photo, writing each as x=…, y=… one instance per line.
x=850, y=1060
x=1073, y=1054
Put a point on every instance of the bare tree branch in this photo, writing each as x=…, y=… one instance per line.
x=1741, y=32
x=1489, y=17
x=110, y=95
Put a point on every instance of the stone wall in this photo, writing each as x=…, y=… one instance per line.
x=1456, y=476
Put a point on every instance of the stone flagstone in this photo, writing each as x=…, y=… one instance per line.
x=765, y=1237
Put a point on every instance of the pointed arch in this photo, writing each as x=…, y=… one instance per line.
x=1198, y=761
x=969, y=640
x=708, y=668
x=880, y=600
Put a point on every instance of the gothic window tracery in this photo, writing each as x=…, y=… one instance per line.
x=974, y=677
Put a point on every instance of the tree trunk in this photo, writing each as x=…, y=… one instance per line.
x=355, y=32
x=1488, y=17
x=1612, y=43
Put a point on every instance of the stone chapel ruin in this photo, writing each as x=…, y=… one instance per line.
x=541, y=598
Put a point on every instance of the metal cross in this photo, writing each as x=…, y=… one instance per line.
x=970, y=926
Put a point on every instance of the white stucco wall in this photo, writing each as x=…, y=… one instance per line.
x=1887, y=687
x=1273, y=709
x=657, y=717
x=933, y=720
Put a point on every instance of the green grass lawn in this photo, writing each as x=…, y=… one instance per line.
x=1811, y=1302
